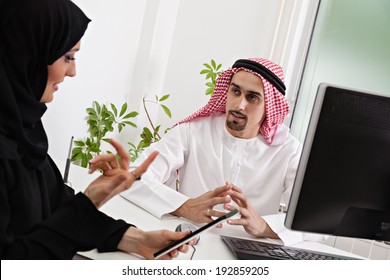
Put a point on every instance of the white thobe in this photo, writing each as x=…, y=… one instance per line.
x=204, y=155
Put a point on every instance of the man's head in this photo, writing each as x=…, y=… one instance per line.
x=254, y=75
x=245, y=106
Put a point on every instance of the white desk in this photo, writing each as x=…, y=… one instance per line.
x=210, y=246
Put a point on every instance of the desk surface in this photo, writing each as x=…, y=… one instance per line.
x=210, y=246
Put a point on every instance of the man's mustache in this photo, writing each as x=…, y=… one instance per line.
x=237, y=113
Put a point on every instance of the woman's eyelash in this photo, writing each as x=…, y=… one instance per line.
x=68, y=57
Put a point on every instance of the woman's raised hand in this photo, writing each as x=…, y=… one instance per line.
x=115, y=176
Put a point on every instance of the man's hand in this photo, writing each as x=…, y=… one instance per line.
x=200, y=209
x=116, y=177
x=252, y=223
x=146, y=243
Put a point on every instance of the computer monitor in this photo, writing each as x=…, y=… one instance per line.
x=342, y=185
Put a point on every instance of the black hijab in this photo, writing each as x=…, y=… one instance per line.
x=33, y=35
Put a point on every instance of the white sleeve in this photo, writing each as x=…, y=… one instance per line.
x=290, y=237
x=155, y=192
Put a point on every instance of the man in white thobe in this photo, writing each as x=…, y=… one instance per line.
x=234, y=152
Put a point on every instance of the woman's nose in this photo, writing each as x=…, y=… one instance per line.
x=71, y=72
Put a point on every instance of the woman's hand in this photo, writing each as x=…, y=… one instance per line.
x=116, y=177
x=146, y=243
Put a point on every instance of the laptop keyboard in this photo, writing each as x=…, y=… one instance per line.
x=251, y=249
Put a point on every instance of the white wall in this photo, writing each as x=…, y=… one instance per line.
x=139, y=47
x=105, y=65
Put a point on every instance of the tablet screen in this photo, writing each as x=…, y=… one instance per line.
x=194, y=234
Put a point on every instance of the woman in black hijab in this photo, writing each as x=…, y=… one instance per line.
x=40, y=217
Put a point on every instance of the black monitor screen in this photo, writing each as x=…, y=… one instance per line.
x=342, y=185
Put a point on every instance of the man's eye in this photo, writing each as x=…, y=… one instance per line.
x=235, y=91
x=253, y=97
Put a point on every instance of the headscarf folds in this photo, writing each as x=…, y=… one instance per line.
x=33, y=35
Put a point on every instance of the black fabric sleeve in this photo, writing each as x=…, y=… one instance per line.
x=75, y=224
x=78, y=221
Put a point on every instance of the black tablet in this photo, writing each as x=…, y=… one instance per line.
x=194, y=234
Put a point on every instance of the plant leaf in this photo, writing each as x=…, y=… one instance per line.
x=90, y=111
x=131, y=115
x=78, y=143
x=209, y=91
x=130, y=123
x=166, y=110
x=213, y=63
x=156, y=129
x=114, y=109
x=165, y=97
x=84, y=160
x=123, y=109
x=97, y=106
x=147, y=132
x=208, y=66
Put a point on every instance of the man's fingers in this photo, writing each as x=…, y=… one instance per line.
x=235, y=222
x=240, y=221
x=215, y=213
x=221, y=191
x=218, y=200
x=235, y=188
x=239, y=198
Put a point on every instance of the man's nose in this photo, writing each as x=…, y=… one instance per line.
x=242, y=103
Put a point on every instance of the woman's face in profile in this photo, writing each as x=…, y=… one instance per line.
x=62, y=67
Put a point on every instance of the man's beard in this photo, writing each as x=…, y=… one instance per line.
x=234, y=125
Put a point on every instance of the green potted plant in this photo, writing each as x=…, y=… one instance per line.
x=102, y=119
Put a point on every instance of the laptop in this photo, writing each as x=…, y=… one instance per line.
x=246, y=249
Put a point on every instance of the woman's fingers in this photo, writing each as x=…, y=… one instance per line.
x=124, y=156
x=103, y=162
x=113, y=180
x=137, y=173
x=123, y=183
x=110, y=161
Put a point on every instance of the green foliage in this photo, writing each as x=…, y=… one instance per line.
x=102, y=119
x=212, y=72
x=152, y=134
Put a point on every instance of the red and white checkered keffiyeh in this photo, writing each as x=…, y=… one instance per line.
x=276, y=105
